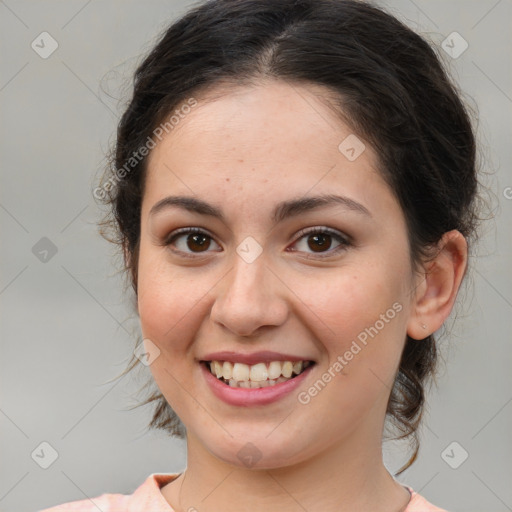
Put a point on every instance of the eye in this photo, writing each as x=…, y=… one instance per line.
x=319, y=240
x=188, y=241
x=194, y=239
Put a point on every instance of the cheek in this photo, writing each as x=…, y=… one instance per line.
x=352, y=299
x=167, y=303
x=363, y=315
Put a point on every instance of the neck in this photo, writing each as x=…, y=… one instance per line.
x=344, y=477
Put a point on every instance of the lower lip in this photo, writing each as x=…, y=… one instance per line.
x=247, y=397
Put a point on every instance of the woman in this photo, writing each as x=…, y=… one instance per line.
x=293, y=189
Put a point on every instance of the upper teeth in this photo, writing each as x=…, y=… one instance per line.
x=256, y=372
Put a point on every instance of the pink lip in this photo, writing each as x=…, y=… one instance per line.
x=265, y=356
x=246, y=397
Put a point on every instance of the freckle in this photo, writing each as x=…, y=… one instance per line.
x=227, y=179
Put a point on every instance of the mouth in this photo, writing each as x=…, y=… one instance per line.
x=259, y=375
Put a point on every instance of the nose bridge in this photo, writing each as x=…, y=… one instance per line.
x=248, y=273
x=248, y=297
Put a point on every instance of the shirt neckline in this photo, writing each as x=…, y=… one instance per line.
x=159, y=480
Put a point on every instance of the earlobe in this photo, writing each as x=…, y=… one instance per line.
x=436, y=294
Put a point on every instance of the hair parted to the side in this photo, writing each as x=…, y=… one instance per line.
x=382, y=78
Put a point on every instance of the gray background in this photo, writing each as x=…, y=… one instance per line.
x=67, y=327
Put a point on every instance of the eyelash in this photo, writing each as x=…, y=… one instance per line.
x=344, y=241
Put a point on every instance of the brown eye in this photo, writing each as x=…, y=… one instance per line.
x=320, y=241
x=189, y=241
x=197, y=241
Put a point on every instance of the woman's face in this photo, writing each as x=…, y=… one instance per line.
x=252, y=286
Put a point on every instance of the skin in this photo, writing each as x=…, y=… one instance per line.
x=245, y=151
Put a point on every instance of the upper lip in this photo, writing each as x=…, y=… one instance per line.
x=264, y=356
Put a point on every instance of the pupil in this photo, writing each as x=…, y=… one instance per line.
x=321, y=240
x=196, y=240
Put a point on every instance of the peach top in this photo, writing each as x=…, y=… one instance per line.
x=148, y=498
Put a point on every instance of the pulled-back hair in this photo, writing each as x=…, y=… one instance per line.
x=382, y=79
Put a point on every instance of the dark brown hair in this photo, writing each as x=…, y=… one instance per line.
x=382, y=78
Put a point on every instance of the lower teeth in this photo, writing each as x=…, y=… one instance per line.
x=250, y=384
x=254, y=385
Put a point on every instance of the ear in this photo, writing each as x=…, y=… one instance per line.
x=437, y=289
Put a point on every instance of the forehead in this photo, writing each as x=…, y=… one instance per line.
x=267, y=141
x=270, y=115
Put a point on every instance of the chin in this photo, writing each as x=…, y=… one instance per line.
x=257, y=452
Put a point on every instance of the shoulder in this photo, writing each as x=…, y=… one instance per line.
x=419, y=504
x=146, y=495
x=104, y=502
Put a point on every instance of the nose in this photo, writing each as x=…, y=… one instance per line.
x=250, y=297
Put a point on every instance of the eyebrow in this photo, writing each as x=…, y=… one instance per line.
x=282, y=211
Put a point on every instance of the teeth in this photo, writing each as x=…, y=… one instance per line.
x=217, y=368
x=257, y=375
x=227, y=370
x=297, y=367
x=258, y=372
x=274, y=369
x=287, y=369
x=241, y=372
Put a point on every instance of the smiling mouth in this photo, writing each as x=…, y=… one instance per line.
x=260, y=375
